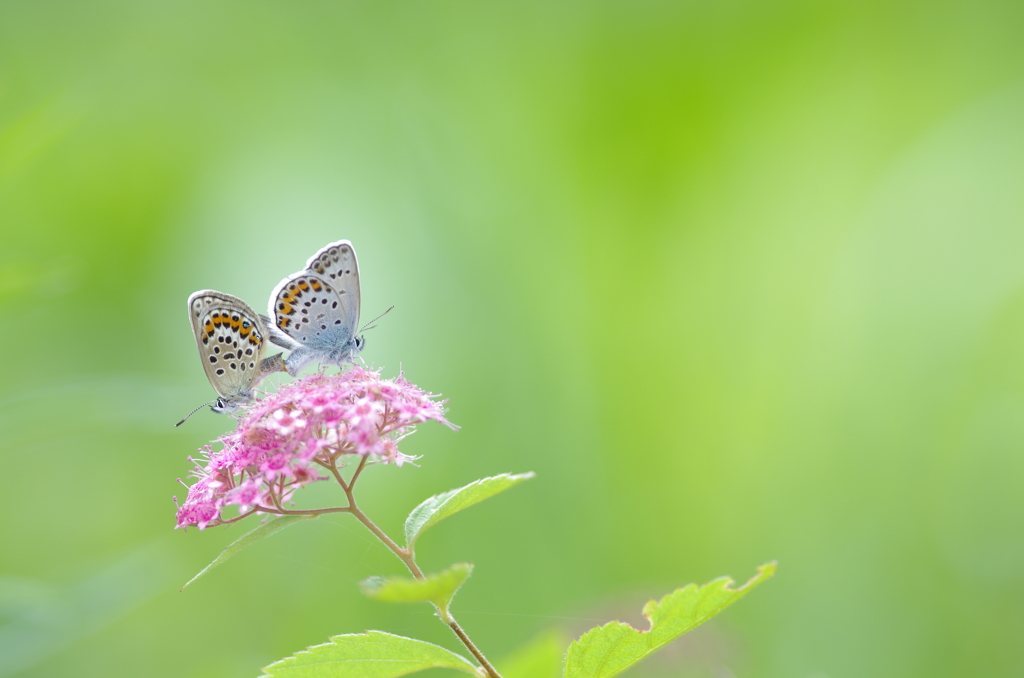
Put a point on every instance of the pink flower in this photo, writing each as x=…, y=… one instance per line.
x=286, y=421
x=313, y=421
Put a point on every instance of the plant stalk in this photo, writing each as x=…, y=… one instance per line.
x=409, y=560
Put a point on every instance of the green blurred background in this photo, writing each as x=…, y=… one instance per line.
x=739, y=280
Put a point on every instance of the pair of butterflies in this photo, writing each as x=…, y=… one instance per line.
x=313, y=313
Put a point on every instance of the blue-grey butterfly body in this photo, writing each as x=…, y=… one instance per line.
x=231, y=339
x=315, y=312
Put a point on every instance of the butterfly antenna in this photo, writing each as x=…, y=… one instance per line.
x=370, y=325
x=193, y=412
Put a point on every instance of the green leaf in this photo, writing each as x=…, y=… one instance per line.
x=437, y=588
x=610, y=649
x=540, y=658
x=373, y=654
x=264, y=530
x=441, y=506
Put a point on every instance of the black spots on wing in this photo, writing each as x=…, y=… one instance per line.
x=337, y=322
x=323, y=327
x=213, y=359
x=220, y=338
x=334, y=305
x=233, y=366
x=229, y=356
x=206, y=340
x=243, y=367
x=216, y=349
x=348, y=271
x=251, y=365
x=324, y=300
x=248, y=351
x=220, y=371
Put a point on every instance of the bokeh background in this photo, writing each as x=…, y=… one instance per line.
x=739, y=280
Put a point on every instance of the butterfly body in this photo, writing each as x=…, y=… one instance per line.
x=231, y=339
x=315, y=312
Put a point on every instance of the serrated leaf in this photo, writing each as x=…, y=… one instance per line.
x=373, y=654
x=610, y=649
x=437, y=588
x=440, y=506
x=540, y=658
x=264, y=530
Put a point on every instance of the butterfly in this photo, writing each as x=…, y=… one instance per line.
x=314, y=313
x=231, y=339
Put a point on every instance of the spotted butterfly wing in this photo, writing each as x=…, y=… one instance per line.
x=315, y=312
x=231, y=339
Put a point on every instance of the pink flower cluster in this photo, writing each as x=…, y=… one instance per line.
x=284, y=437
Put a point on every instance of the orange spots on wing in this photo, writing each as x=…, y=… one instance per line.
x=315, y=284
x=303, y=285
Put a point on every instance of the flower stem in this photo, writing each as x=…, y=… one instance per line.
x=407, y=557
x=392, y=546
x=355, y=475
x=286, y=512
